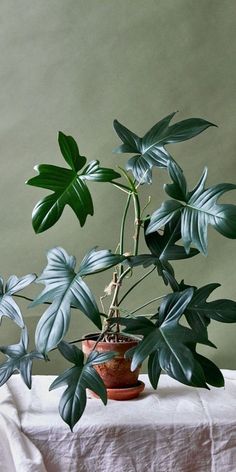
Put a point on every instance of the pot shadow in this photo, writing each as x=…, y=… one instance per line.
x=166, y=392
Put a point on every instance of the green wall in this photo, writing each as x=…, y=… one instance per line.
x=75, y=65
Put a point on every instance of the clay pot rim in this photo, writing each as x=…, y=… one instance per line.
x=93, y=337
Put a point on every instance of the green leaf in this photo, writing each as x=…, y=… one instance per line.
x=68, y=186
x=15, y=284
x=178, y=189
x=97, y=261
x=71, y=352
x=64, y=288
x=10, y=309
x=78, y=379
x=150, y=150
x=199, y=312
x=200, y=209
x=141, y=169
x=212, y=373
x=131, y=141
x=8, y=306
x=187, y=129
x=154, y=369
x=170, y=280
x=18, y=360
x=170, y=341
x=179, y=363
x=163, y=249
x=173, y=306
x=99, y=174
x=73, y=192
x=57, y=275
x=168, y=210
x=54, y=323
x=70, y=152
x=136, y=326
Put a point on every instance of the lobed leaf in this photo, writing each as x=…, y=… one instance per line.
x=150, y=150
x=68, y=187
x=18, y=360
x=200, y=209
x=77, y=379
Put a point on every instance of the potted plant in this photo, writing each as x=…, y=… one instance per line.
x=124, y=339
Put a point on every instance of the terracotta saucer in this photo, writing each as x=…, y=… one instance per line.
x=126, y=393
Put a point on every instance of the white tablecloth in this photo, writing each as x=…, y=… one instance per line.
x=175, y=429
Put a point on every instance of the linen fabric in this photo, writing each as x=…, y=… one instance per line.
x=175, y=428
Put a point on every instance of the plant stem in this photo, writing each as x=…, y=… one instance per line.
x=73, y=342
x=32, y=300
x=29, y=299
x=121, y=188
x=137, y=210
x=138, y=222
x=122, y=229
x=146, y=304
x=136, y=283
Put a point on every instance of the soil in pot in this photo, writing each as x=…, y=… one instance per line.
x=121, y=383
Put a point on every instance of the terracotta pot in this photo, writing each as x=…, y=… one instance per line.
x=116, y=373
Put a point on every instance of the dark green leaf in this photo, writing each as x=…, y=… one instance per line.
x=99, y=174
x=180, y=364
x=199, y=311
x=149, y=343
x=131, y=141
x=139, y=325
x=170, y=280
x=178, y=189
x=154, y=369
x=170, y=341
x=68, y=186
x=78, y=379
x=71, y=352
x=163, y=248
x=70, y=152
x=69, y=189
x=212, y=373
x=173, y=306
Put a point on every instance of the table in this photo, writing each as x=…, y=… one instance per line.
x=173, y=429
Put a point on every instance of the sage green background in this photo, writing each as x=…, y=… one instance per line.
x=75, y=66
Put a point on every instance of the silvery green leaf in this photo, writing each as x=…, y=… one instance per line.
x=150, y=150
x=8, y=306
x=10, y=309
x=15, y=284
x=99, y=260
x=57, y=275
x=199, y=209
x=18, y=360
x=54, y=323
